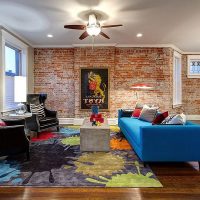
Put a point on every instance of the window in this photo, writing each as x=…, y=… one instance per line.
x=12, y=61
x=12, y=69
x=194, y=66
x=177, y=80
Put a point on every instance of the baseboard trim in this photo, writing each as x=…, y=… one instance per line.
x=193, y=117
x=79, y=121
x=66, y=120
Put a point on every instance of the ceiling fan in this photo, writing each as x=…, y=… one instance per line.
x=93, y=28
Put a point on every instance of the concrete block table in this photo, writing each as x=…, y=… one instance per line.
x=94, y=138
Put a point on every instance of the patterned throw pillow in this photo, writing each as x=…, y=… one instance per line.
x=178, y=119
x=148, y=114
x=38, y=110
x=160, y=117
x=167, y=119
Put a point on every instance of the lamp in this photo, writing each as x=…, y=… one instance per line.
x=93, y=27
x=141, y=86
x=20, y=93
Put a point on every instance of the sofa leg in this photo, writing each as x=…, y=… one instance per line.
x=145, y=164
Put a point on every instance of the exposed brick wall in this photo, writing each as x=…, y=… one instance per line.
x=97, y=57
x=57, y=73
x=144, y=65
x=54, y=75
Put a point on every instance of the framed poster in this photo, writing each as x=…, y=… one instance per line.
x=94, y=87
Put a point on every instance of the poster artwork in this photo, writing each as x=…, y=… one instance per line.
x=94, y=88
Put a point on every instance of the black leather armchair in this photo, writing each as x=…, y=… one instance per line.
x=13, y=141
x=36, y=124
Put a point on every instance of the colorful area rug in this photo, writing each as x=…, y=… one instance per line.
x=56, y=160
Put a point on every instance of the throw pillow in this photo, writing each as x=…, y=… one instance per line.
x=2, y=123
x=136, y=112
x=178, y=119
x=167, y=119
x=38, y=110
x=148, y=114
x=184, y=118
x=160, y=117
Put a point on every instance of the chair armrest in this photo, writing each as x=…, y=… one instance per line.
x=32, y=123
x=13, y=136
x=13, y=121
x=50, y=113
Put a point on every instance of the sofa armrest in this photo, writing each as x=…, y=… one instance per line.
x=50, y=113
x=124, y=113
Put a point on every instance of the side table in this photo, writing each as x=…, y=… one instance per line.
x=16, y=119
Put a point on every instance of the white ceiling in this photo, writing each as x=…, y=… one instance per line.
x=161, y=21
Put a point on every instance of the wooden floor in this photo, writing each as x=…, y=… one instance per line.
x=180, y=181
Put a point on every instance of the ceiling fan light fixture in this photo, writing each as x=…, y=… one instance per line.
x=92, y=19
x=93, y=29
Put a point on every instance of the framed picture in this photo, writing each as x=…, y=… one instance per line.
x=94, y=87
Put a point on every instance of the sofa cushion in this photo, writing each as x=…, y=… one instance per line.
x=132, y=126
x=148, y=114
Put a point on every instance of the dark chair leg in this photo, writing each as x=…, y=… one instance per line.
x=58, y=128
x=199, y=165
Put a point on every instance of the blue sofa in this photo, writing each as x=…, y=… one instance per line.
x=161, y=142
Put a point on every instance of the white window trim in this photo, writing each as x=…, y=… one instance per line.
x=15, y=42
x=189, y=57
x=175, y=103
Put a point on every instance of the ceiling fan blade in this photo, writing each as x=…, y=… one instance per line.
x=84, y=35
x=104, y=35
x=78, y=27
x=110, y=26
